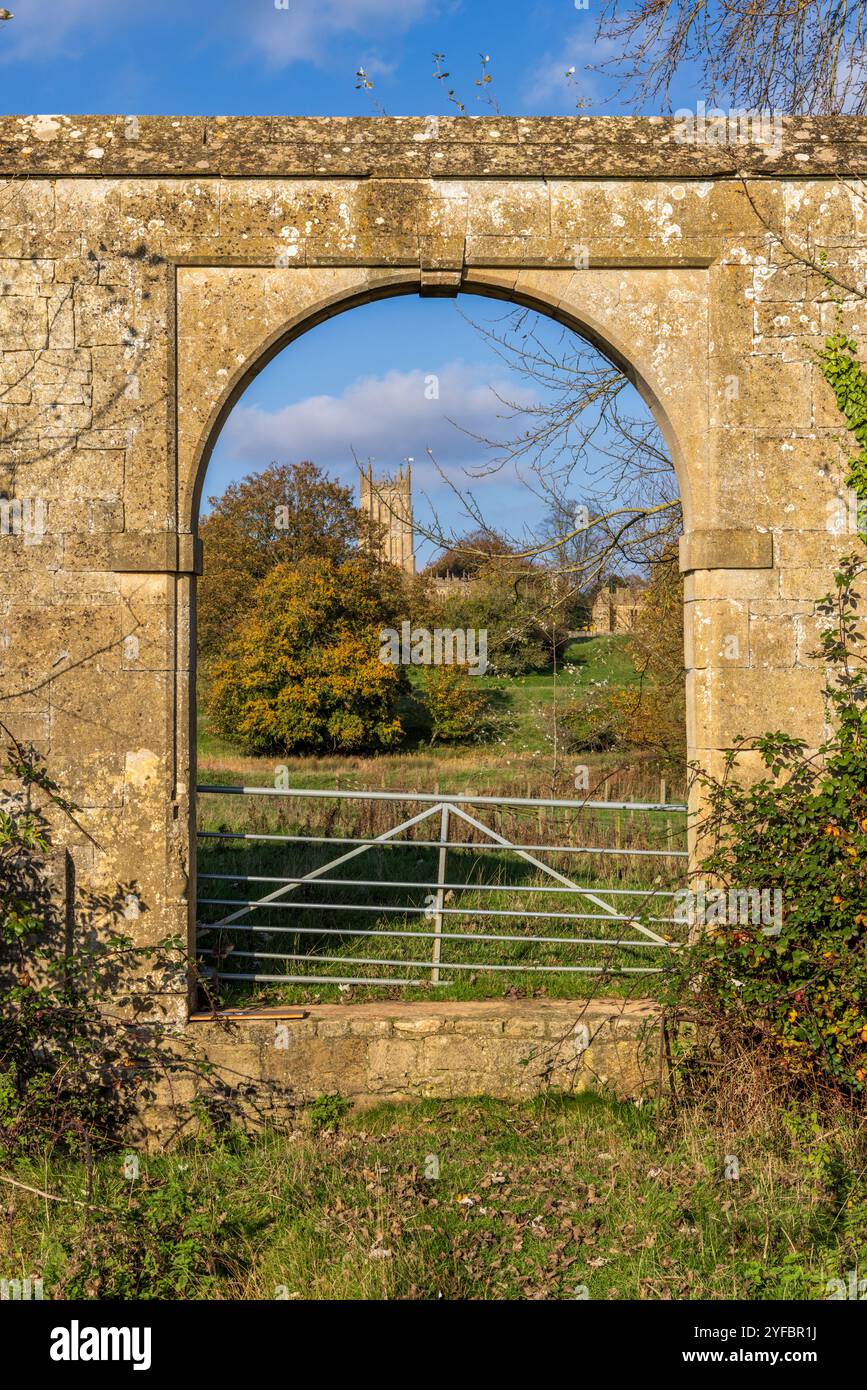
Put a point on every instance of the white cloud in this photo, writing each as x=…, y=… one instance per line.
x=44, y=29
x=548, y=85
x=304, y=31
x=387, y=418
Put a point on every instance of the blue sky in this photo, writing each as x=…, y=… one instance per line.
x=387, y=382
x=187, y=57
x=355, y=382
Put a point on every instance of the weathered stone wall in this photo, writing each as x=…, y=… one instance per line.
x=372, y=1053
x=150, y=267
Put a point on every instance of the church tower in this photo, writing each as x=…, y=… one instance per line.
x=388, y=502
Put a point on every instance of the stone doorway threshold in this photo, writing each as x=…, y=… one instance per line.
x=381, y=1051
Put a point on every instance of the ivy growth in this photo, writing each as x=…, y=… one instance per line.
x=843, y=372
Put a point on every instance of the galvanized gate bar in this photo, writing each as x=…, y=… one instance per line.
x=436, y=798
x=428, y=844
x=435, y=907
x=454, y=887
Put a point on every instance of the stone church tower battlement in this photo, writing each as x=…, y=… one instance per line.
x=388, y=502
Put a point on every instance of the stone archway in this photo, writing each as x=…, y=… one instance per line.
x=148, y=271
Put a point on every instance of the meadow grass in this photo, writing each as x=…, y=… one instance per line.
x=565, y=1197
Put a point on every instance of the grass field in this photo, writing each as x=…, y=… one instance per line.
x=491, y=892
x=522, y=761
x=563, y=1198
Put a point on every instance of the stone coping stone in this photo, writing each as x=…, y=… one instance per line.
x=403, y=147
x=384, y=1017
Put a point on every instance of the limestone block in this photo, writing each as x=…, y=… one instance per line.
x=280, y=217
x=792, y=482
x=391, y=1062
x=825, y=412
x=824, y=209
x=90, y=473
x=803, y=348
x=499, y=208
x=468, y=1054
x=773, y=642
x=729, y=704
x=737, y=584
x=373, y=1027
x=23, y=322
x=175, y=206
x=147, y=627
x=333, y=1028
x=718, y=634
x=92, y=207
x=777, y=320
x=806, y=582
x=780, y=284
x=103, y=315
x=726, y=550
x=417, y=1027
x=817, y=548
x=27, y=205
x=525, y=1028
x=33, y=276
x=779, y=393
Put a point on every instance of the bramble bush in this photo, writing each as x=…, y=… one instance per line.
x=75, y=1065
x=802, y=829
x=174, y=1237
x=799, y=989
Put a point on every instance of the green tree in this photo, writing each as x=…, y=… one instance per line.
x=456, y=708
x=303, y=672
x=284, y=514
x=654, y=709
x=517, y=606
x=467, y=556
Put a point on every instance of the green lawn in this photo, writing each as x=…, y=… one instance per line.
x=528, y=701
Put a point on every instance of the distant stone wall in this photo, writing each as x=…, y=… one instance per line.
x=616, y=611
x=448, y=585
